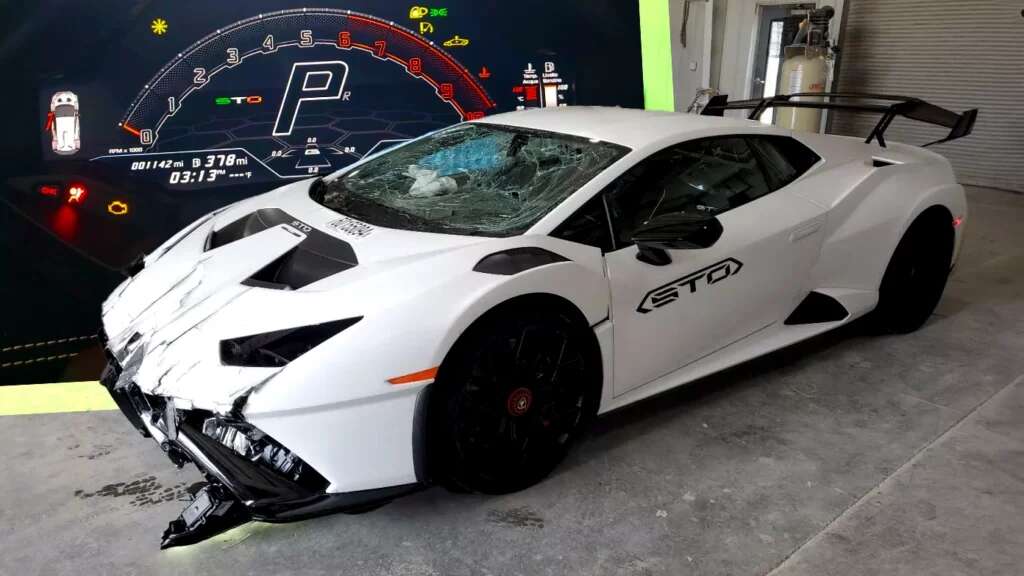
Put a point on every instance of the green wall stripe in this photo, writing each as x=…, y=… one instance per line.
x=53, y=398
x=656, y=48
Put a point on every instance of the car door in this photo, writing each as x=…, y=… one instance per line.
x=701, y=301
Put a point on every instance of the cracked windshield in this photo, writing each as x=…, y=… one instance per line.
x=473, y=179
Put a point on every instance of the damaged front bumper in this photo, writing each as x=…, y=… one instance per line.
x=274, y=488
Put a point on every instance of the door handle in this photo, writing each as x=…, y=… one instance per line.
x=806, y=230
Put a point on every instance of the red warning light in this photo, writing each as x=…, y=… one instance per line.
x=531, y=93
x=65, y=222
x=77, y=193
x=49, y=190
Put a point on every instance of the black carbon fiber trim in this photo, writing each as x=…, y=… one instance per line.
x=516, y=260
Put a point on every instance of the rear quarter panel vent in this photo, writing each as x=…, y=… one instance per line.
x=882, y=163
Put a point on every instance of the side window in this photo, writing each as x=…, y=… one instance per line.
x=711, y=175
x=589, y=225
x=784, y=159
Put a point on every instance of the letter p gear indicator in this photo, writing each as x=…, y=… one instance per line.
x=309, y=81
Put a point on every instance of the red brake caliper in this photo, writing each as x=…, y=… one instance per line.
x=519, y=401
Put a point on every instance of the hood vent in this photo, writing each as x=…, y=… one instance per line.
x=246, y=226
x=318, y=256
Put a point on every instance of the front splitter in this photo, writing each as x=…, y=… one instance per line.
x=212, y=510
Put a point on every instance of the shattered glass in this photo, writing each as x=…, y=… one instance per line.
x=474, y=179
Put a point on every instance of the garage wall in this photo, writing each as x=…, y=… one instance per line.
x=719, y=18
x=958, y=54
x=691, y=65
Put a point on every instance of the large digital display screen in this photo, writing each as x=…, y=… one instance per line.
x=124, y=120
x=187, y=96
x=144, y=114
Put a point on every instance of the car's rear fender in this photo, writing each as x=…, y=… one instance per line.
x=866, y=222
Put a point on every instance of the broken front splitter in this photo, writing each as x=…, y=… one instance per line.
x=266, y=484
x=213, y=510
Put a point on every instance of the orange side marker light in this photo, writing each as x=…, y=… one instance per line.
x=421, y=376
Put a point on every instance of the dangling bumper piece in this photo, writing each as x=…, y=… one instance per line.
x=248, y=475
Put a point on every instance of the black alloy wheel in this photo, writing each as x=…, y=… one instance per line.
x=916, y=275
x=514, y=394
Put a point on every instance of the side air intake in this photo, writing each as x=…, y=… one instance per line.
x=817, y=308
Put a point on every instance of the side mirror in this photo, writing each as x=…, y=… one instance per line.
x=675, y=232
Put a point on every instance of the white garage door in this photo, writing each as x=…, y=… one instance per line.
x=958, y=54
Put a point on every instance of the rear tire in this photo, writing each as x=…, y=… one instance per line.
x=916, y=276
x=515, y=392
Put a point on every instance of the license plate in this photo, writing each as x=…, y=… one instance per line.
x=198, y=509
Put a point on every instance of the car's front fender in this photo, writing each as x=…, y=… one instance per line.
x=334, y=406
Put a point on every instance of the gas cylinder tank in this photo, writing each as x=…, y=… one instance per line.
x=805, y=70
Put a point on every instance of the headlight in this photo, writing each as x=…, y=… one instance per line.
x=252, y=444
x=274, y=349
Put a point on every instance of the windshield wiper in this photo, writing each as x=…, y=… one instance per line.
x=398, y=218
x=519, y=141
x=361, y=207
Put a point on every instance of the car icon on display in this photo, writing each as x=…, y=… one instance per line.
x=63, y=123
x=456, y=41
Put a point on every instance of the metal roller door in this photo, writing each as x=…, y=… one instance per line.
x=958, y=54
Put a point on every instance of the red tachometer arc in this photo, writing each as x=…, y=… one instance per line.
x=342, y=29
x=398, y=40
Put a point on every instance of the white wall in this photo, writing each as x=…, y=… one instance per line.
x=691, y=66
x=718, y=40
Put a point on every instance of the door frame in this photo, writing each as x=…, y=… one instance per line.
x=741, y=30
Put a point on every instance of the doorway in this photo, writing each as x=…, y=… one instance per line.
x=777, y=27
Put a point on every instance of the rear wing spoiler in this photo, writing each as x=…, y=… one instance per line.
x=889, y=107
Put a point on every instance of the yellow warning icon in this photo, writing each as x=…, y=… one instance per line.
x=456, y=41
x=417, y=12
x=117, y=208
x=158, y=26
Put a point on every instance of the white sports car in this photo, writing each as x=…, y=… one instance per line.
x=63, y=123
x=455, y=310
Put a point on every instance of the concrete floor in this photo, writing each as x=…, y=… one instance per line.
x=850, y=454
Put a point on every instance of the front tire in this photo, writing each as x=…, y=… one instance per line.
x=514, y=393
x=916, y=276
